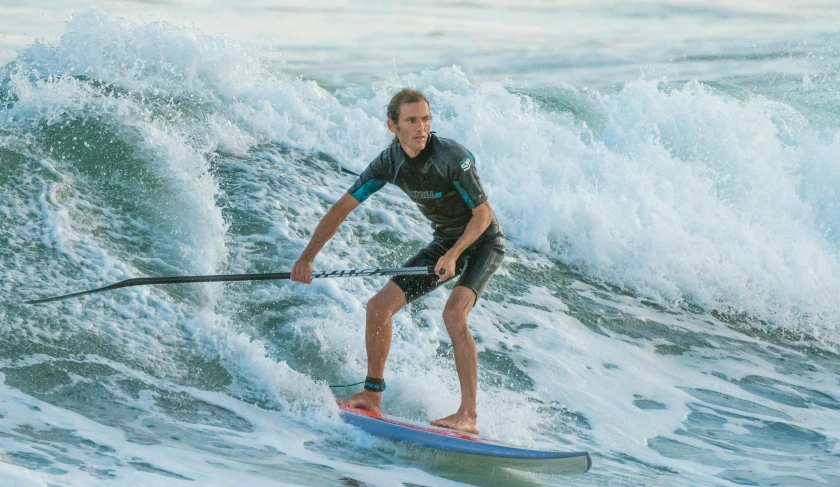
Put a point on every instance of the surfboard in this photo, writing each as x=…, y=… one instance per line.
x=443, y=439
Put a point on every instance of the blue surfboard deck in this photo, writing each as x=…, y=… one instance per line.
x=508, y=456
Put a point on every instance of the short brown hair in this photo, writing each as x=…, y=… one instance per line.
x=405, y=95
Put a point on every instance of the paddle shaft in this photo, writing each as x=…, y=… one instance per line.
x=143, y=281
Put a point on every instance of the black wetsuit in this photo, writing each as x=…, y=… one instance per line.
x=442, y=180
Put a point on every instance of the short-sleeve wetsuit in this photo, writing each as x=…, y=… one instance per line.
x=442, y=180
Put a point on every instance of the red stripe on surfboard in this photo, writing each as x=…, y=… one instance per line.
x=434, y=430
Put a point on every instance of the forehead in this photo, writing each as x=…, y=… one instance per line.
x=416, y=109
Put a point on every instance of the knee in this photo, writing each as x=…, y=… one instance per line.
x=455, y=319
x=377, y=307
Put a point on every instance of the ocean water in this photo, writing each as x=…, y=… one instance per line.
x=667, y=174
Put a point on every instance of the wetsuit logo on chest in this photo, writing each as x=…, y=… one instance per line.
x=425, y=195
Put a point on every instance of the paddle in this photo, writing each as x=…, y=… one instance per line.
x=142, y=281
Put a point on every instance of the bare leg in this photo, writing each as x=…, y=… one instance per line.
x=455, y=314
x=380, y=309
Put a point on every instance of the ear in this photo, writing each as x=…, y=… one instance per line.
x=392, y=126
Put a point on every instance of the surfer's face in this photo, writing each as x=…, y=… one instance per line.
x=413, y=127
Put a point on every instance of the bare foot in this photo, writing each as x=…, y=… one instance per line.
x=367, y=400
x=460, y=422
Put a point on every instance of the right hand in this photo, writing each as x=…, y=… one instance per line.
x=302, y=271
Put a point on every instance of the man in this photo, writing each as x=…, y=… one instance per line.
x=440, y=176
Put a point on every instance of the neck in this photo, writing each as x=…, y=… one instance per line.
x=409, y=151
x=413, y=153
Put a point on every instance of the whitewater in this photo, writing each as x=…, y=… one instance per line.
x=666, y=173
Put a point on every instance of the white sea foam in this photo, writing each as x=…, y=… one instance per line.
x=273, y=448
x=684, y=195
x=187, y=224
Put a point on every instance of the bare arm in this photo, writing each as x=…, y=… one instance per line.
x=302, y=270
x=482, y=215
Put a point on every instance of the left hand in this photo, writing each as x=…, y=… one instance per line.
x=446, y=264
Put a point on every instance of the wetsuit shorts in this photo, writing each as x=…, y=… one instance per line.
x=474, y=267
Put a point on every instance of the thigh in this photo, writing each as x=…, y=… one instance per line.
x=482, y=261
x=389, y=299
x=416, y=286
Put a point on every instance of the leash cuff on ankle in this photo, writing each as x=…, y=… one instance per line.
x=373, y=384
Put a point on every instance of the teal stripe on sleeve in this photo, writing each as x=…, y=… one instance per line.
x=463, y=194
x=368, y=188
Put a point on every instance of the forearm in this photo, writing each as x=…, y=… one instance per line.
x=481, y=218
x=323, y=233
x=328, y=226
